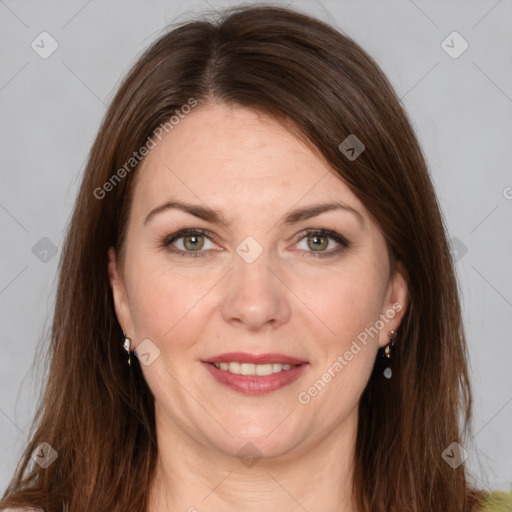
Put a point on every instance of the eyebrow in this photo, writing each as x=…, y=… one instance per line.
x=216, y=217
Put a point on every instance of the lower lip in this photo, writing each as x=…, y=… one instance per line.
x=256, y=384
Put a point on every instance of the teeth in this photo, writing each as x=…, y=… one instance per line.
x=253, y=369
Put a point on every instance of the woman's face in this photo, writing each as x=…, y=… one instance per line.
x=249, y=282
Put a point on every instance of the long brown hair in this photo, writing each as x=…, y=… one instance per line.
x=98, y=413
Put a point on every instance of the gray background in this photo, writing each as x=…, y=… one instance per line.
x=460, y=108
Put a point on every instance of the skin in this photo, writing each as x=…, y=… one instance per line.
x=254, y=170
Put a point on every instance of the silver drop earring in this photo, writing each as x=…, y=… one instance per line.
x=388, y=373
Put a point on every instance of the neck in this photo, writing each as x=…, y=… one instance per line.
x=195, y=477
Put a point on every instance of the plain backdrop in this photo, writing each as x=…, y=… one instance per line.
x=460, y=106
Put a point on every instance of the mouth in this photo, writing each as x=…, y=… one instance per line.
x=255, y=374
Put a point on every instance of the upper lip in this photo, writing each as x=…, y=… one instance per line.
x=243, y=357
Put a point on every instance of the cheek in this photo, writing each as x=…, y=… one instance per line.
x=347, y=302
x=166, y=305
x=352, y=305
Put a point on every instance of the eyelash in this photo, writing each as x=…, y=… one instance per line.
x=344, y=243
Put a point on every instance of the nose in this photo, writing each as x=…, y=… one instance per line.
x=256, y=296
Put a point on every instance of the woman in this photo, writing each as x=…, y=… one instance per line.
x=257, y=306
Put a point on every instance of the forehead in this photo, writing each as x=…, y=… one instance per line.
x=229, y=156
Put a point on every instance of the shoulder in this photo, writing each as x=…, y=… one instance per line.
x=496, y=501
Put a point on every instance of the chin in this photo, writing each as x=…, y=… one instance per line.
x=258, y=440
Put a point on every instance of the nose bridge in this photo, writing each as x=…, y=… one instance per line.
x=253, y=269
x=255, y=296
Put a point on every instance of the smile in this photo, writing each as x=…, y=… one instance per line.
x=255, y=374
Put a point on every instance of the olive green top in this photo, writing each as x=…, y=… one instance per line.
x=497, y=501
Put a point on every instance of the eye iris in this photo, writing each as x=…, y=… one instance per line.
x=315, y=239
x=197, y=244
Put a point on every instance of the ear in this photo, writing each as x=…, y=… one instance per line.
x=119, y=294
x=395, y=305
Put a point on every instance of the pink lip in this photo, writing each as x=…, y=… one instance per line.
x=242, y=357
x=256, y=384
